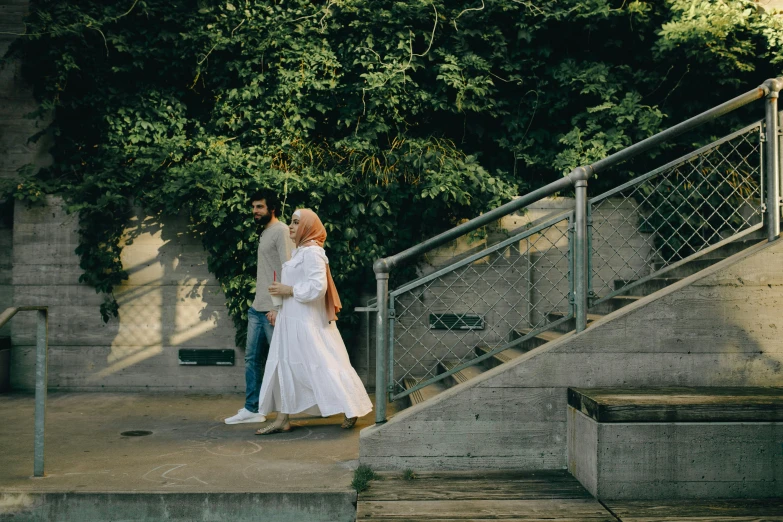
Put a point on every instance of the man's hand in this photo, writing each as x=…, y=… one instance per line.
x=280, y=289
x=271, y=316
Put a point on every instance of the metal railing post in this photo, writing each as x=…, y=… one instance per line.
x=580, y=255
x=41, y=374
x=780, y=158
x=381, y=344
x=41, y=369
x=772, y=161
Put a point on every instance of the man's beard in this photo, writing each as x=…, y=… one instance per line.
x=263, y=220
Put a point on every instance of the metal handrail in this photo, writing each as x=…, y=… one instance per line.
x=41, y=368
x=578, y=178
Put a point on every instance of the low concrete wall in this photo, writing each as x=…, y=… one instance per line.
x=170, y=301
x=720, y=327
x=175, y=506
x=667, y=460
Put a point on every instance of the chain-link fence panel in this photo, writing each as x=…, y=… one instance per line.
x=488, y=298
x=675, y=211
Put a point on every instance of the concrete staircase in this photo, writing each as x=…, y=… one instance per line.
x=718, y=327
x=597, y=312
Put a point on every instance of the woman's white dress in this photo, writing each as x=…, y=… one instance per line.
x=308, y=369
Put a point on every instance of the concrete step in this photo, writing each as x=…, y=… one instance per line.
x=690, y=268
x=735, y=247
x=614, y=303
x=710, y=259
x=648, y=287
x=499, y=358
x=533, y=342
x=425, y=393
x=569, y=325
x=675, y=442
x=461, y=376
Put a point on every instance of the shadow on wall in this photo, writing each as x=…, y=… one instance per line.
x=170, y=301
x=162, y=304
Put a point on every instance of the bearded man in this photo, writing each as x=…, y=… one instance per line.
x=274, y=249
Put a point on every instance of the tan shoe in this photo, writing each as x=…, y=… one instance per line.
x=349, y=423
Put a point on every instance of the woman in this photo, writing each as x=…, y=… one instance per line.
x=308, y=368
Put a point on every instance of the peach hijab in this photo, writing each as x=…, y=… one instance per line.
x=311, y=230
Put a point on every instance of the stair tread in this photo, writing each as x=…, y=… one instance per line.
x=590, y=317
x=547, y=335
x=425, y=393
x=505, y=356
x=464, y=374
x=629, y=281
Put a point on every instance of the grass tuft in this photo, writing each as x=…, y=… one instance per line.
x=408, y=474
x=362, y=477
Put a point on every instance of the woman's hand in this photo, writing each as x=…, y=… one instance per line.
x=280, y=289
x=271, y=316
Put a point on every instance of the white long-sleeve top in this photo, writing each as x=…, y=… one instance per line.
x=306, y=274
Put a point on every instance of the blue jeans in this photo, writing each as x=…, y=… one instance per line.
x=259, y=334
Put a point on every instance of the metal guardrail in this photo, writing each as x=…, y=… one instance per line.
x=41, y=378
x=651, y=195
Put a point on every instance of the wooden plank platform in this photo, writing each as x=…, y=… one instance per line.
x=751, y=404
x=550, y=495
x=511, y=496
x=698, y=510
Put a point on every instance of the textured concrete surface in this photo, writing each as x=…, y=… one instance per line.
x=667, y=460
x=192, y=463
x=719, y=327
x=170, y=301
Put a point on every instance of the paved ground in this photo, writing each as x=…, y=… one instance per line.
x=190, y=459
x=190, y=448
x=194, y=467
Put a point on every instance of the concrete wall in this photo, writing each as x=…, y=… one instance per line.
x=6, y=253
x=16, y=101
x=169, y=302
x=720, y=327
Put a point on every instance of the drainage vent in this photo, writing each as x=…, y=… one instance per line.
x=136, y=433
x=189, y=357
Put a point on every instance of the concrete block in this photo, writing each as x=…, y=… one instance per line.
x=676, y=460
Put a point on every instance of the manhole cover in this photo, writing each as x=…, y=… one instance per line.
x=135, y=433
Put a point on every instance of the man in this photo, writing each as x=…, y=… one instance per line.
x=274, y=249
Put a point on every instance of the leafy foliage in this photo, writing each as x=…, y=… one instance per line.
x=393, y=120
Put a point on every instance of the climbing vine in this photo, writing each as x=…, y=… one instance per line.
x=393, y=120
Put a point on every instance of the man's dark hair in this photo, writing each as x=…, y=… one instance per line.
x=271, y=199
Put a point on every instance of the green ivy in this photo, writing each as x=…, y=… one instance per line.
x=393, y=120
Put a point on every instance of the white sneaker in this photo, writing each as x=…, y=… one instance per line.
x=243, y=416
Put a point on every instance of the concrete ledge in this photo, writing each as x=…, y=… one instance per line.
x=270, y=507
x=679, y=404
x=676, y=459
